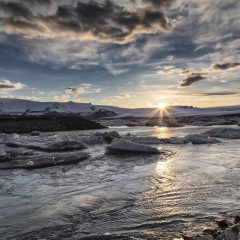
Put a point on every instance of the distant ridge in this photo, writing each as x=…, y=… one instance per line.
x=9, y=106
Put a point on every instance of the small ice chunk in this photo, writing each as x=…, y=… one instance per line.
x=35, y=133
x=30, y=163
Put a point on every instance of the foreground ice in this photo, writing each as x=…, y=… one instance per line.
x=16, y=159
x=7, y=137
x=50, y=147
x=126, y=146
x=191, y=138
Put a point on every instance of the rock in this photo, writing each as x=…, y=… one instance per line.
x=223, y=224
x=236, y=228
x=204, y=237
x=42, y=160
x=220, y=237
x=184, y=237
x=35, y=133
x=231, y=234
x=210, y=231
x=125, y=146
x=232, y=133
x=109, y=136
x=237, y=219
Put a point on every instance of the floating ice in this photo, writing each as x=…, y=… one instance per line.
x=126, y=146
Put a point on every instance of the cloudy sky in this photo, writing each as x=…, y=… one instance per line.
x=130, y=53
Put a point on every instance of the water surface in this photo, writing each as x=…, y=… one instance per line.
x=124, y=197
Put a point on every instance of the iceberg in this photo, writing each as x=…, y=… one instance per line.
x=125, y=146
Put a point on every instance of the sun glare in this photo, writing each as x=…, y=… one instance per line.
x=162, y=106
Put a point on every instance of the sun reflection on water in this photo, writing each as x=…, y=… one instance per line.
x=161, y=132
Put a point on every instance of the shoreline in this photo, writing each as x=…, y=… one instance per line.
x=45, y=123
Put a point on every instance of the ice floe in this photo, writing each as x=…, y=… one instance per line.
x=232, y=133
x=60, y=146
x=126, y=146
x=33, y=160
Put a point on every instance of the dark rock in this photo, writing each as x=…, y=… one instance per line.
x=223, y=224
x=109, y=136
x=237, y=219
x=185, y=237
x=210, y=231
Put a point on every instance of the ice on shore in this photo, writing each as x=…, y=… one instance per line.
x=8, y=137
x=126, y=146
x=232, y=133
x=201, y=139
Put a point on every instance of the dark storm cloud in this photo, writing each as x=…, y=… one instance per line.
x=225, y=66
x=193, y=78
x=103, y=20
x=15, y=9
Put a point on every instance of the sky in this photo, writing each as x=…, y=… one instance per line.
x=128, y=53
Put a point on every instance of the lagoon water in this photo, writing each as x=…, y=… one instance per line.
x=124, y=197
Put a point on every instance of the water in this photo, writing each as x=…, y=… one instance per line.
x=128, y=197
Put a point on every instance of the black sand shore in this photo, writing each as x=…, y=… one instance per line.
x=45, y=123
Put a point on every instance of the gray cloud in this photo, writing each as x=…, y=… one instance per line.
x=193, y=78
x=15, y=9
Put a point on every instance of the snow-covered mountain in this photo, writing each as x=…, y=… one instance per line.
x=19, y=107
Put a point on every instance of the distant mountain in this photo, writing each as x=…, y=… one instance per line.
x=26, y=107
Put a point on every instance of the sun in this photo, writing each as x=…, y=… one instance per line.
x=162, y=106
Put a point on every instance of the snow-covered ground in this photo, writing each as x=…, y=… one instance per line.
x=19, y=106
